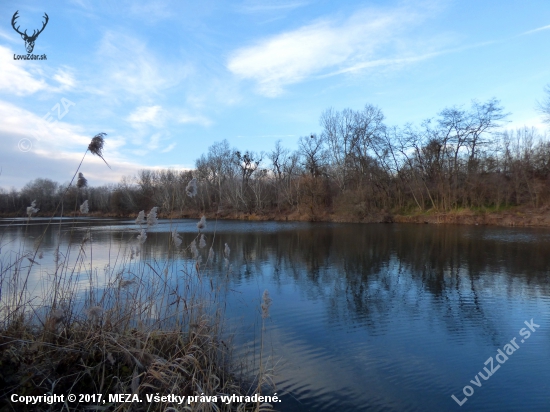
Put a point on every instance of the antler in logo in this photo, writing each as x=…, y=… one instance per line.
x=29, y=40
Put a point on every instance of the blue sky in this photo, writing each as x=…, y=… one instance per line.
x=166, y=79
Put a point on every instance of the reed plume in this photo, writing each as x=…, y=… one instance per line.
x=96, y=146
x=202, y=223
x=140, y=220
x=152, y=217
x=191, y=189
x=84, y=207
x=176, y=238
x=142, y=236
x=81, y=181
x=32, y=209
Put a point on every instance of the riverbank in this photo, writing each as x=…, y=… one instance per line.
x=519, y=216
x=516, y=216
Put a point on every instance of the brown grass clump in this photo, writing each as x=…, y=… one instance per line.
x=87, y=357
x=152, y=331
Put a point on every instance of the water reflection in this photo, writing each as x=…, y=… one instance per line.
x=366, y=317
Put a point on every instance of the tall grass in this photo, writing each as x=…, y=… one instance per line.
x=138, y=326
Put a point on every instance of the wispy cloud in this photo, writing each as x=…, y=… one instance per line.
x=156, y=10
x=536, y=30
x=154, y=141
x=157, y=117
x=65, y=78
x=153, y=115
x=261, y=6
x=43, y=134
x=7, y=36
x=367, y=36
x=133, y=68
x=197, y=119
x=169, y=148
x=403, y=60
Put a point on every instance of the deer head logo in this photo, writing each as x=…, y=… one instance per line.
x=29, y=40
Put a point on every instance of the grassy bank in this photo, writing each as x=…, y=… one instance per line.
x=519, y=216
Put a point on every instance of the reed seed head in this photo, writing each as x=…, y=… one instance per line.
x=176, y=238
x=194, y=250
x=32, y=209
x=141, y=218
x=152, y=217
x=84, y=207
x=226, y=251
x=202, y=242
x=134, y=252
x=202, y=223
x=142, y=236
x=191, y=189
x=82, y=181
x=96, y=146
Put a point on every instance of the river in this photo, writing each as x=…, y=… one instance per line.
x=364, y=317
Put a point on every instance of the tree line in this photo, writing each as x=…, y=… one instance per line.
x=356, y=165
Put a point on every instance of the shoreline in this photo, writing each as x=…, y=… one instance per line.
x=519, y=216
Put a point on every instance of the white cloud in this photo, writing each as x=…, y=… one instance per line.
x=154, y=141
x=152, y=115
x=24, y=78
x=153, y=10
x=132, y=67
x=18, y=77
x=82, y=3
x=528, y=121
x=65, y=78
x=169, y=148
x=382, y=62
x=536, y=30
x=45, y=133
x=367, y=37
x=139, y=152
x=197, y=119
x=6, y=36
x=260, y=6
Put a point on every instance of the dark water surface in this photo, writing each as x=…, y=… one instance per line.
x=371, y=317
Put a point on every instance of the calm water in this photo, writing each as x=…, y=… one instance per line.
x=371, y=317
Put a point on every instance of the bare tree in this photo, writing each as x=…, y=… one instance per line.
x=314, y=154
